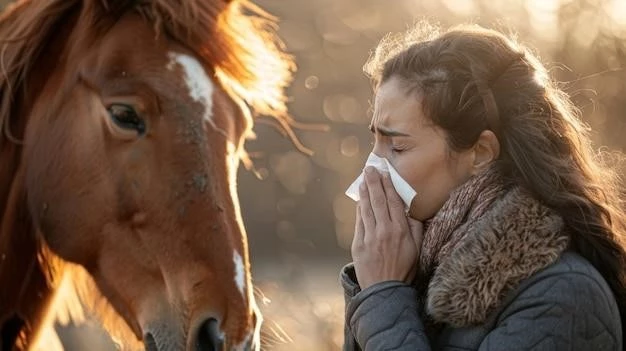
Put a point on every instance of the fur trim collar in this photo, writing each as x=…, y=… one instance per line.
x=515, y=238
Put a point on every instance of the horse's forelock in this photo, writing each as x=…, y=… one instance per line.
x=239, y=41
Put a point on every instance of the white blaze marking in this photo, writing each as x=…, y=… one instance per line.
x=200, y=86
x=239, y=271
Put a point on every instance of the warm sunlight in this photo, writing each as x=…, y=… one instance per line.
x=305, y=113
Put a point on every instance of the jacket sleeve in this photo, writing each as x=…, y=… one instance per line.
x=567, y=311
x=382, y=317
x=350, y=288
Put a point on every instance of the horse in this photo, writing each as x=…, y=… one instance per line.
x=123, y=126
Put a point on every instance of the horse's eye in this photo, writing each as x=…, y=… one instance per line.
x=126, y=117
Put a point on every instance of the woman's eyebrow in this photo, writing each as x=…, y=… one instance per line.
x=387, y=132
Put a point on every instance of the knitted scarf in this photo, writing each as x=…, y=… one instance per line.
x=467, y=203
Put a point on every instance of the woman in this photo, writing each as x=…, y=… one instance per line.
x=514, y=239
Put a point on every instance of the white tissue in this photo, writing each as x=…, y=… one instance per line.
x=406, y=192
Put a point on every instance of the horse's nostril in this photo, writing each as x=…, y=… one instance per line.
x=150, y=343
x=209, y=337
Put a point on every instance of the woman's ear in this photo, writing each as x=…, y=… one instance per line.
x=486, y=150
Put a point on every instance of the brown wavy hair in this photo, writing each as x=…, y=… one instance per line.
x=471, y=79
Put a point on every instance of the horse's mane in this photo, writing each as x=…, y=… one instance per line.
x=235, y=37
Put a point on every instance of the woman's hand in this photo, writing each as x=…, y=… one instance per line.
x=386, y=242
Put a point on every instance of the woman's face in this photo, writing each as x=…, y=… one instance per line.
x=417, y=148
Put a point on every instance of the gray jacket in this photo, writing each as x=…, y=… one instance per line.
x=567, y=306
x=509, y=284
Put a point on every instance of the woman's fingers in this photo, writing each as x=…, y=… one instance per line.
x=365, y=210
x=378, y=200
x=359, y=230
x=394, y=202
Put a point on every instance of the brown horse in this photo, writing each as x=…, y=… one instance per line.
x=123, y=123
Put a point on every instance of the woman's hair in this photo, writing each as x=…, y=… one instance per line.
x=471, y=79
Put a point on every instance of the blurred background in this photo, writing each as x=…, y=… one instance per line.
x=299, y=221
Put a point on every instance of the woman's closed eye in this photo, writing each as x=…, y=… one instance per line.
x=398, y=148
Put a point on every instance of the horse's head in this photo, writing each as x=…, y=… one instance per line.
x=130, y=156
